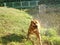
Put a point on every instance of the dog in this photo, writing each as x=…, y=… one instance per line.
x=34, y=29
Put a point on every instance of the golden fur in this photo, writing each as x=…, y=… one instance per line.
x=34, y=29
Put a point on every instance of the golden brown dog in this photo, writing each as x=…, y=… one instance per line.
x=35, y=29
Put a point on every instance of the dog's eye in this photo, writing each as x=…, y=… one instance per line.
x=34, y=23
x=35, y=26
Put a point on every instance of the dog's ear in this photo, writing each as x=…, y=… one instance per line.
x=32, y=20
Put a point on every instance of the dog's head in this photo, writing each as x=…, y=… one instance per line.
x=34, y=23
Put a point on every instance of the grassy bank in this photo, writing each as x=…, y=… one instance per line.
x=13, y=26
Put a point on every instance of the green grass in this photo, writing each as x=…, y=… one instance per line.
x=14, y=24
